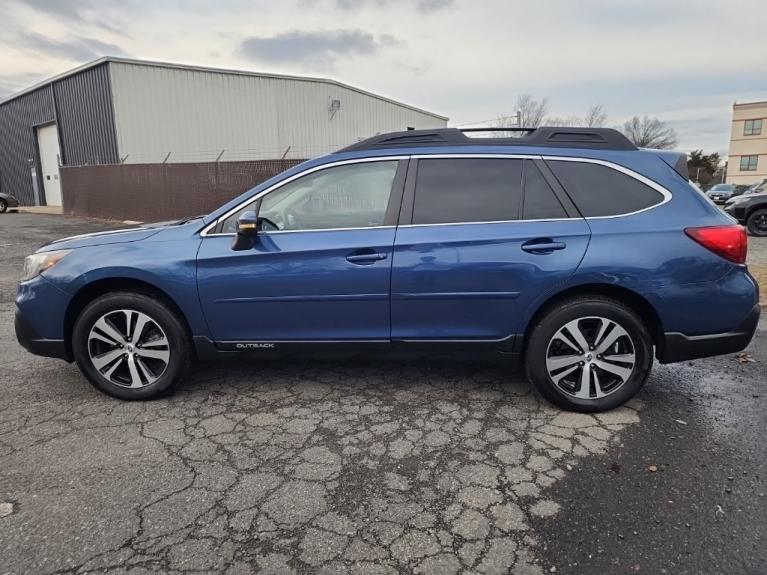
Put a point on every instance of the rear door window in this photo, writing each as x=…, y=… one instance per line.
x=599, y=190
x=467, y=190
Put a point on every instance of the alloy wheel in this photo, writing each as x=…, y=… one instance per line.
x=760, y=223
x=128, y=348
x=590, y=357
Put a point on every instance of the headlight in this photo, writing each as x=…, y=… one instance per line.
x=36, y=264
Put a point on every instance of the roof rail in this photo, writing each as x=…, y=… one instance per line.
x=551, y=137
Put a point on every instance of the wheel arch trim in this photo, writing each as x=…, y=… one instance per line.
x=628, y=297
x=88, y=292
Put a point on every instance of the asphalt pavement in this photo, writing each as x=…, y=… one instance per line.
x=350, y=467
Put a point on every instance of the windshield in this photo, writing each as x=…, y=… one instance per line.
x=721, y=188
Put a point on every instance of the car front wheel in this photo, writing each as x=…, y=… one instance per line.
x=589, y=354
x=131, y=346
x=757, y=223
x=3, y=206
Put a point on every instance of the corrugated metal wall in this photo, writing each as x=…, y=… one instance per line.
x=85, y=118
x=18, y=146
x=81, y=105
x=194, y=115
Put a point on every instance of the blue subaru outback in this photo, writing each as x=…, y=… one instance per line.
x=569, y=249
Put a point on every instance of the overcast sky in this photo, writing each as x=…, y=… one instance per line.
x=684, y=61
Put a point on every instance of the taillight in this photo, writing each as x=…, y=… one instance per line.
x=730, y=242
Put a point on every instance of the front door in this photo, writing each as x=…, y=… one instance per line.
x=50, y=158
x=487, y=236
x=320, y=267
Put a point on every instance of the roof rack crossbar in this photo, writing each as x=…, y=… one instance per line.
x=514, y=129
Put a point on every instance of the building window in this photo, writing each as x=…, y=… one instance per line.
x=752, y=127
x=748, y=163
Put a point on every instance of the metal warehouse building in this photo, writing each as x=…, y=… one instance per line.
x=116, y=111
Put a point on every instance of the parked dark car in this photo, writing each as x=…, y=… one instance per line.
x=7, y=201
x=757, y=187
x=750, y=210
x=720, y=193
x=568, y=249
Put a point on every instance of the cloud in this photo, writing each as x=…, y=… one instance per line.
x=12, y=83
x=312, y=48
x=433, y=5
x=70, y=9
x=420, y=5
x=80, y=11
x=77, y=48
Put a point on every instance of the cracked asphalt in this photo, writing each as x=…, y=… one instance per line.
x=351, y=467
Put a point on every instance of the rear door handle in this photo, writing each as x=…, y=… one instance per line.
x=366, y=257
x=543, y=246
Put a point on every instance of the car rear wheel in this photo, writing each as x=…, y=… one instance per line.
x=589, y=354
x=131, y=345
x=3, y=206
x=757, y=223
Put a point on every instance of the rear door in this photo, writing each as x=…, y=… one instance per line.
x=479, y=238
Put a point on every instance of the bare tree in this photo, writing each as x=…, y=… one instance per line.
x=531, y=113
x=649, y=132
x=596, y=117
x=570, y=121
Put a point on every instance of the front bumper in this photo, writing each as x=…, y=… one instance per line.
x=32, y=342
x=680, y=347
x=40, y=317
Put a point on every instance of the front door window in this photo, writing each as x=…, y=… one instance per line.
x=348, y=196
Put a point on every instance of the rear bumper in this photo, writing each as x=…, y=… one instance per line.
x=680, y=347
x=32, y=342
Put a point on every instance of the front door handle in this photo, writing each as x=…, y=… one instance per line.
x=366, y=257
x=543, y=246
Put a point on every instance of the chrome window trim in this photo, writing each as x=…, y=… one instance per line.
x=486, y=223
x=468, y=155
x=666, y=194
x=275, y=232
x=205, y=233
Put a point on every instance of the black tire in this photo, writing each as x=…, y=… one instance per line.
x=169, y=325
x=3, y=206
x=757, y=223
x=547, y=326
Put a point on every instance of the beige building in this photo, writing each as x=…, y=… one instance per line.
x=748, y=143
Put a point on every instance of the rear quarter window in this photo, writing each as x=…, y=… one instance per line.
x=599, y=190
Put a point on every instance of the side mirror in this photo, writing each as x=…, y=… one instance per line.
x=247, y=229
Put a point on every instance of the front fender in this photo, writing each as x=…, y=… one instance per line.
x=168, y=266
